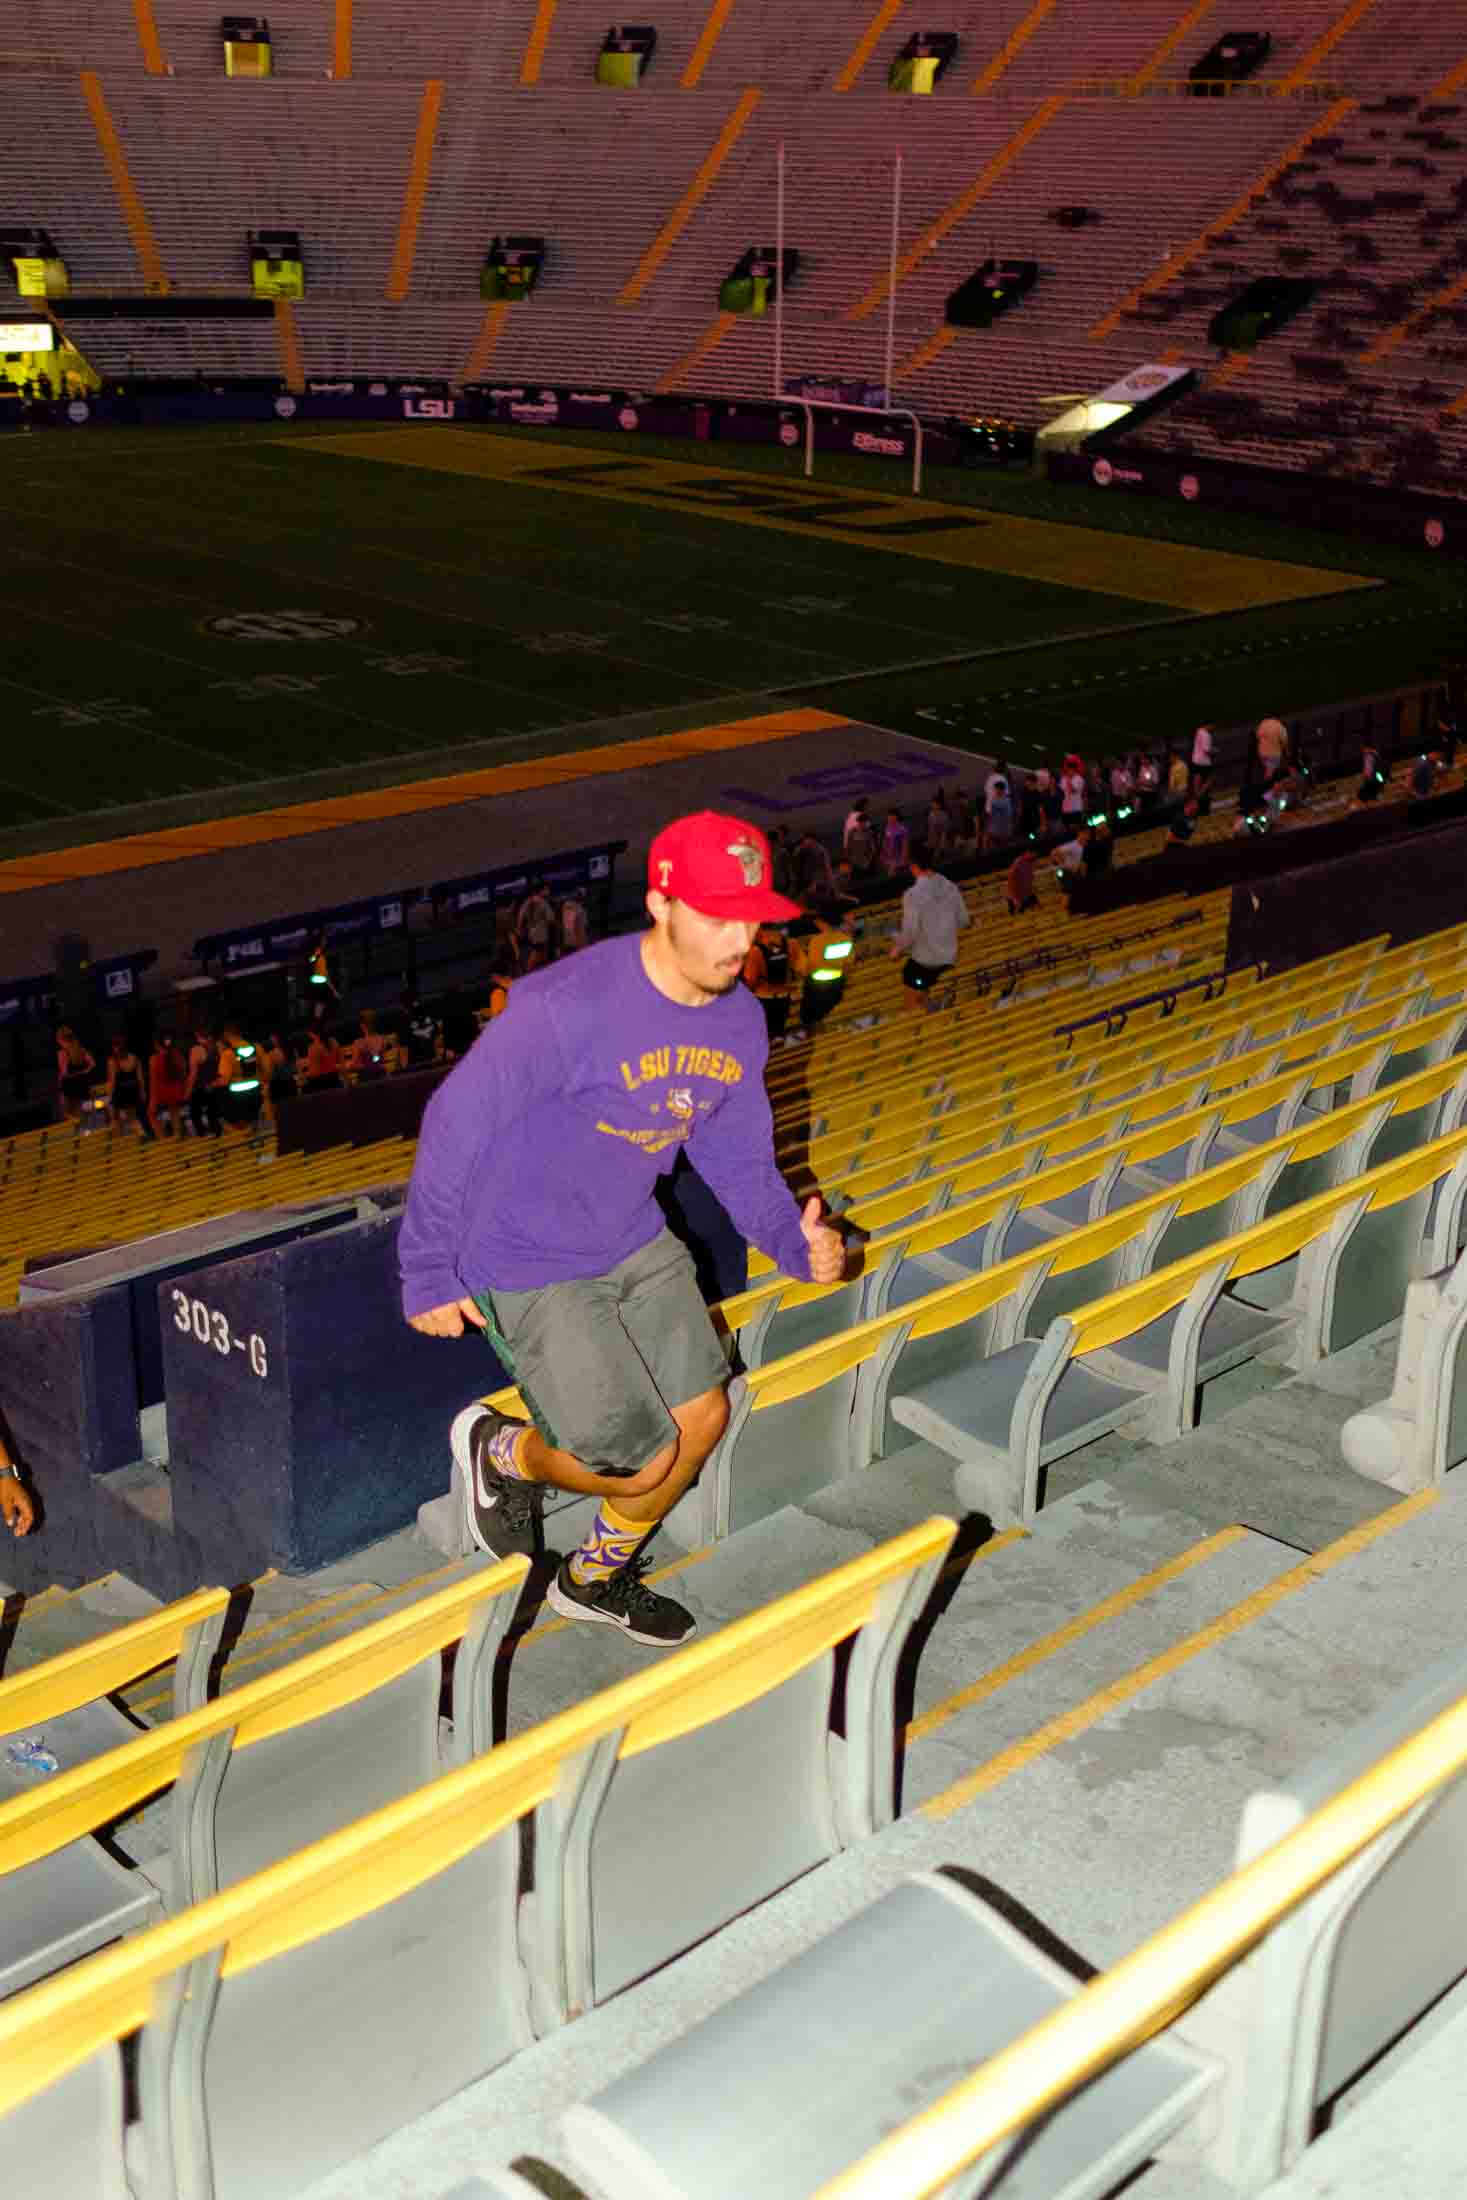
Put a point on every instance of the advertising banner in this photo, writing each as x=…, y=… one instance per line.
x=1414, y=519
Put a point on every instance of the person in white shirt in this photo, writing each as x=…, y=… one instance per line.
x=1201, y=758
x=933, y=914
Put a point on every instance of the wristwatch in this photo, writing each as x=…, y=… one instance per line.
x=8, y=1466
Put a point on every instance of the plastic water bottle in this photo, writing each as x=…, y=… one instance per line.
x=28, y=1753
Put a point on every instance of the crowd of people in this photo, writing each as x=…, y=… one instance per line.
x=208, y=1081
x=215, y=1077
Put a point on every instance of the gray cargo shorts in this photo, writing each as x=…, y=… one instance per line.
x=601, y=1361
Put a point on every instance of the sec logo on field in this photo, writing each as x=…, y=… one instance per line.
x=283, y=626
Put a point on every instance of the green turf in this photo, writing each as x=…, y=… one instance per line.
x=485, y=612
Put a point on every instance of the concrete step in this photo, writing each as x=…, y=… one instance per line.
x=1109, y=1820
x=1267, y=1451
x=1029, y=1636
x=57, y=1620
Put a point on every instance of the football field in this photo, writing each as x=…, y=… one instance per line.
x=203, y=614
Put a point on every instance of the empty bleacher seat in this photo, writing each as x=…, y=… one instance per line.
x=262, y=2006
x=333, y=1735
x=1354, y=1965
x=62, y=1906
x=793, y=2080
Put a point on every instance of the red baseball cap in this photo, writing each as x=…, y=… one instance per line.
x=720, y=867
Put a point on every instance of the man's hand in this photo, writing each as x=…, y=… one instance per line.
x=17, y=1507
x=448, y=1321
x=827, y=1247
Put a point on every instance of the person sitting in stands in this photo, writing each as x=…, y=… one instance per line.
x=167, y=1083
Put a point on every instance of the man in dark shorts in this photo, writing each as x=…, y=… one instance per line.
x=531, y=1216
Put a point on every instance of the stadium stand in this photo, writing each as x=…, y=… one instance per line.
x=1152, y=1815
x=1337, y=166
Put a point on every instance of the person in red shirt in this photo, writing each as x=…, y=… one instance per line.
x=167, y=1083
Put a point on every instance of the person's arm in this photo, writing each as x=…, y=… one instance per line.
x=901, y=939
x=733, y=1152
x=503, y=1075
x=17, y=1506
x=964, y=916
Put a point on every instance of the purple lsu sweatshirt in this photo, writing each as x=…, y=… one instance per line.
x=539, y=1154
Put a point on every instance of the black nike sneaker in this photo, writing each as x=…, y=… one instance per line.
x=501, y=1511
x=623, y=1600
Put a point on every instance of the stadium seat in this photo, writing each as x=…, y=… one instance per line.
x=1354, y=1965
x=261, y=2007
x=75, y=1900
x=1316, y=1277
x=247, y=1768
x=1414, y=1437
x=740, y=1773
x=797, y=2077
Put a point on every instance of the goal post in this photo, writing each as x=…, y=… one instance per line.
x=809, y=406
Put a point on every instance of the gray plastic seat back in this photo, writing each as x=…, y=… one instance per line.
x=787, y=1451
x=1089, y=1280
x=64, y=1906
x=746, y=1800
x=1355, y=1965
x=1368, y=1277
x=284, y=2071
x=1402, y=1132
x=1204, y=1226
x=67, y=2140
x=744, y=1804
x=236, y=1811
x=799, y=2076
x=793, y=1327
x=767, y=1459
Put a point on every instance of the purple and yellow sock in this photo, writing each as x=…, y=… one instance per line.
x=504, y=1449
x=613, y=1539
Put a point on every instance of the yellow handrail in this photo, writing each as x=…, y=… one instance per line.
x=1153, y=1985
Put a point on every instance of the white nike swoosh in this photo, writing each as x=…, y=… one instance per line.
x=487, y=1498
